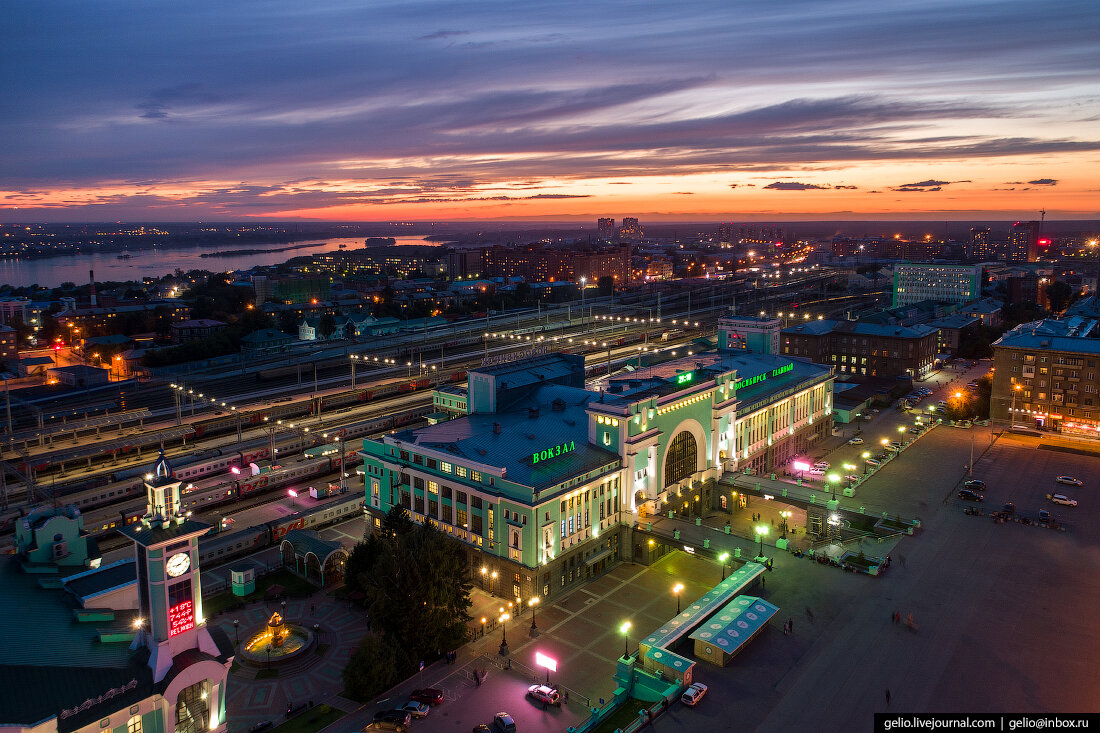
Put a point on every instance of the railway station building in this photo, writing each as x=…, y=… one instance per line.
x=544, y=477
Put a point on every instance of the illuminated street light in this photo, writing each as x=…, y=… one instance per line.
x=676, y=592
x=722, y=559
x=624, y=629
x=761, y=530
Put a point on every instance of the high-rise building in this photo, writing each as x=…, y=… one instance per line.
x=1023, y=242
x=978, y=247
x=944, y=283
x=631, y=230
x=538, y=265
x=606, y=226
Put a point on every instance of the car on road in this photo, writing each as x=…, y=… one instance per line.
x=872, y=462
x=822, y=464
x=482, y=728
x=968, y=495
x=915, y=431
x=974, y=484
x=393, y=716
x=816, y=472
x=416, y=709
x=895, y=443
x=1063, y=500
x=693, y=694
x=542, y=693
x=1009, y=508
x=851, y=478
x=428, y=695
x=1045, y=516
x=504, y=723
x=386, y=725
x=855, y=441
x=1070, y=481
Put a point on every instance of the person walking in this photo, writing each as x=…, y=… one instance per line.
x=790, y=624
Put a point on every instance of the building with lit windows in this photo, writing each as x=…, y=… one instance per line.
x=1045, y=377
x=606, y=228
x=942, y=283
x=543, y=478
x=865, y=349
x=1023, y=242
x=535, y=264
x=121, y=648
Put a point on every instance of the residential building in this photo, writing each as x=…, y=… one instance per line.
x=987, y=310
x=191, y=330
x=9, y=345
x=631, y=230
x=535, y=264
x=953, y=330
x=1023, y=242
x=17, y=309
x=543, y=478
x=606, y=228
x=758, y=334
x=979, y=247
x=864, y=349
x=1045, y=376
x=265, y=341
x=945, y=283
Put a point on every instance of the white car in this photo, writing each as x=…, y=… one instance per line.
x=855, y=441
x=545, y=694
x=1070, y=481
x=416, y=709
x=693, y=694
x=822, y=464
x=873, y=462
x=816, y=471
x=1063, y=500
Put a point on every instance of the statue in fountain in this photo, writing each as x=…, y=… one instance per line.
x=277, y=628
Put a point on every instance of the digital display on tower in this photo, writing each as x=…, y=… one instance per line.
x=181, y=618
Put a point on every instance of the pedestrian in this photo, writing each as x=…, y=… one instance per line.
x=544, y=704
x=567, y=697
x=887, y=697
x=790, y=623
x=763, y=582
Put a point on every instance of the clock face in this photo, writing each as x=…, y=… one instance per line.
x=178, y=564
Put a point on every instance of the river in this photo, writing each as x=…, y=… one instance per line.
x=50, y=272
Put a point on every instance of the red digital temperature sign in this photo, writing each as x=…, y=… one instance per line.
x=181, y=618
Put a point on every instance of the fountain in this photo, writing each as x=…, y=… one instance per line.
x=276, y=642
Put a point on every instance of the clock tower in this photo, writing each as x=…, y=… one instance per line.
x=166, y=547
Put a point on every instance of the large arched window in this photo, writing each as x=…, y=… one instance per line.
x=681, y=458
x=193, y=708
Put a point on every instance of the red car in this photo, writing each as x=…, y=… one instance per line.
x=428, y=696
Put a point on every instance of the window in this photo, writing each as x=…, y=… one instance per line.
x=475, y=502
x=433, y=487
x=432, y=463
x=418, y=483
x=418, y=459
x=475, y=476
x=445, y=467
x=404, y=455
x=405, y=478
x=475, y=526
x=133, y=725
x=461, y=496
x=446, y=492
x=606, y=438
x=447, y=514
x=460, y=471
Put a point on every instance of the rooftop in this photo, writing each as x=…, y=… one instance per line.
x=860, y=328
x=1071, y=334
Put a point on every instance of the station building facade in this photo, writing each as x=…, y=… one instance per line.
x=543, y=478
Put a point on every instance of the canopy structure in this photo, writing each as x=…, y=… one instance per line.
x=721, y=638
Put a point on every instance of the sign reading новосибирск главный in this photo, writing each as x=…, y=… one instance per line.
x=749, y=381
x=553, y=452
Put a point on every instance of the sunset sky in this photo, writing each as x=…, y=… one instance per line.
x=420, y=110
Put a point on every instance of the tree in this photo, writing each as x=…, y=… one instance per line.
x=606, y=285
x=327, y=325
x=1059, y=294
x=288, y=322
x=371, y=669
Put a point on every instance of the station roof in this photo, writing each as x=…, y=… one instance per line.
x=860, y=328
x=99, y=421
x=307, y=541
x=106, y=446
x=87, y=585
x=561, y=420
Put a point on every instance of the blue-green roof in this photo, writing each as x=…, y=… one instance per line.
x=736, y=623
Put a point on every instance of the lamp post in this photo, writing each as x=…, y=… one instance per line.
x=484, y=576
x=1012, y=413
x=531, y=603
x=624, y=629
x=492, y=578
x=785, y=515
x=236, y=639
x=483, y=622
x=761, y=530
x=676, y=592
x=503, y=633
x=833, y=479
x=723, y=558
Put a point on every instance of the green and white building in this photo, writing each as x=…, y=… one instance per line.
x=544, y=478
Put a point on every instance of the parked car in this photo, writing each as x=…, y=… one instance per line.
x=386, y=725
x=822, y=464
x=1070, y=481
x=482, y=728
x=416, y=709
x=393, y=716
x=895, y=443
x=915, y=431
x=428, y=695
x=873, y=462
x=542, y=693
x=1063, y=500
x=816, y=472
x=693, y=694
x=503, y=723
x=974, y=484
x=855, y=441
x=968, y=495
x=1009, y=508
x=1045, y=516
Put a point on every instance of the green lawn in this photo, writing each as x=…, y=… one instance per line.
x=624, y=716
x=226, y=601
x=310, y=721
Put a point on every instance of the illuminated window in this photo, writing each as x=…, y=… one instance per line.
x=445, y=467
x=133, y=725
x=433, y=487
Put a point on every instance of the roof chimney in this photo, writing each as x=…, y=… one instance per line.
x=91, y=279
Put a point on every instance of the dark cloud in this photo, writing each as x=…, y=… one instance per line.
x=853, y=188
x=793, y=186
x=442, y=34
x=910, y=189
x=924, y=184
x=1044, y=182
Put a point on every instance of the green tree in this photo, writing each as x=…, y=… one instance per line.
x=1059, y=294
x=288, y=322
x=327, y=325
x=371, y=669
x=606, y=285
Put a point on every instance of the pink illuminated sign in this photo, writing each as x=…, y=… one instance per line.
x=181, y=618
x=544, y=661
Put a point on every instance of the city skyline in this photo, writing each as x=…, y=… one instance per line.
x=427, y=111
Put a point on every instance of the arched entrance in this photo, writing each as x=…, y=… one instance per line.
x=681, y=458
x=193, y=708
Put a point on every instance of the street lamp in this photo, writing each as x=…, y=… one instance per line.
x=483, y=622
x=833, y=480
x=503, y=633
x=761, y=530
x=676, y=592
x=531, y=603
x=236, y=639
x=624, y=629
x=1012, y=412
x=723, y=558
x=492, y=579
x=786, y=514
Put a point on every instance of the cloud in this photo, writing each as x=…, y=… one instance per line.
x=442, y=34
x=793, y=186
x=924, y=184
x=853, y=188
x=909, y=189
x=1044, y=182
